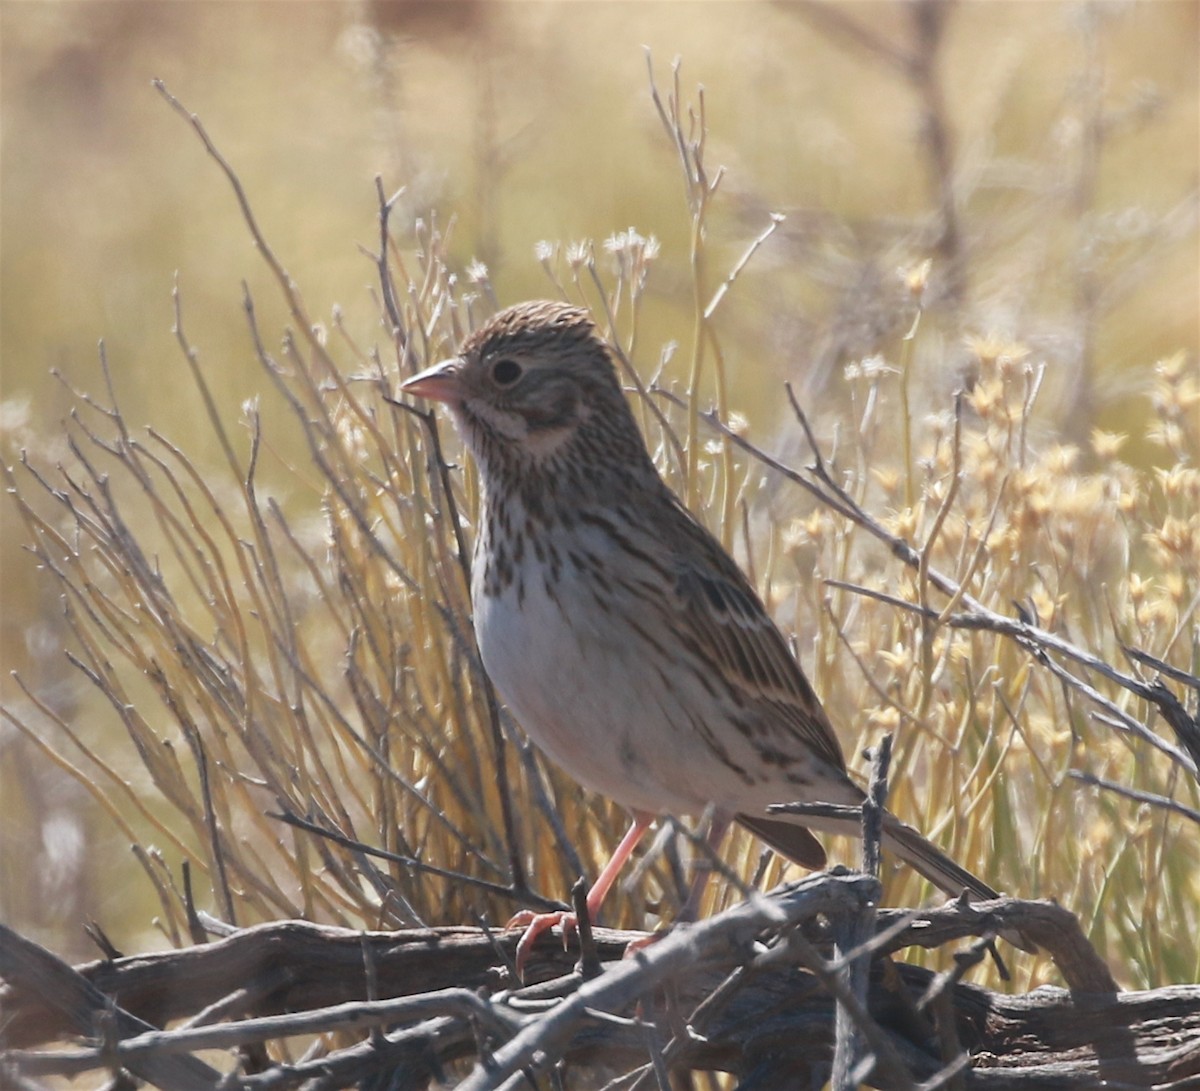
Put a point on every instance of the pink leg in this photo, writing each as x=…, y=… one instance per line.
x=606, y=878
x=537, y=923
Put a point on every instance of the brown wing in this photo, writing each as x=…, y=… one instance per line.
x=721, y=613
x=794, y=842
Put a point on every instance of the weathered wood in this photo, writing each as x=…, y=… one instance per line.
x=77, y=1005
x=752, y=1011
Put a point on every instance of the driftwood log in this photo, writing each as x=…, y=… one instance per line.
x=753, y=991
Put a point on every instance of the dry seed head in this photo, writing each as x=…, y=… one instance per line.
x=874, y=367
x=1061, y=458
x=21, y=430
x=903, y=522
x=889, y=479
x=351, y=433
x=1126, y=495
x=1056, y=735
x=1039, y=503
x=899, y=659
x=579, y=253
x=1098, y=839
x=1083, y=498
x=979, y=457
x=916, y=278
x=1166, y=433
x=793, y=536
x=935, y=491
x=941, y=460
x=14, y=414
x=818, y=525
x=987, y=399
x=737, y=424
x=938, y=425
x=884, y=717
x=1188, y=395
x=1033, y=493
x=1107, y=444
x=869, y=367
x=1143, y=825
x=1157, y=613
x=1171, y=369
x=995, y=353
x=633, y=245
x=1043, y=727
x=810, y=530
x=621, y=241
x=1179, y=482
x=1046, y=606
x=1177, y=541
x=954, y=529
x=961, y=655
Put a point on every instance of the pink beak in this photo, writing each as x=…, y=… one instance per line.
x=440, y=383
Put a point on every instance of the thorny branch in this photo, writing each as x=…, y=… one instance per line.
x=443, y=996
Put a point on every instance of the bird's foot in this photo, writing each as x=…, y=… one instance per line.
x=648, y=940
x=535, y=924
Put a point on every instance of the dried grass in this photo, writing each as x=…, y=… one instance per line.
x=278, y=637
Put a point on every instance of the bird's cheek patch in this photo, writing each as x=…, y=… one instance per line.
x=559, y=411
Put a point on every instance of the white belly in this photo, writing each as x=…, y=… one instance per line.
x=589, y=692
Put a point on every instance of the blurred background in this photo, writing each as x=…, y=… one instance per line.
x=1044, y=157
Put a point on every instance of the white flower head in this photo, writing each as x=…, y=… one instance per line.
x=874, y=366
x=579, y=253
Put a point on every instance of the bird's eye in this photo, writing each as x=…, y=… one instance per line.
x=505, y=372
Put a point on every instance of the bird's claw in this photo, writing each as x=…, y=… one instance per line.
x=535, y=924
x=649, y=940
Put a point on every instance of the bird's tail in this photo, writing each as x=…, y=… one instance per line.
x=925, y=858
x=792, y=837
x=921, y=854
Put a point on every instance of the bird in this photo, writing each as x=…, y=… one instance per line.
x=627, y=642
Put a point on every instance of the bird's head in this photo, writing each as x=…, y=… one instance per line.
x=531, y=386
